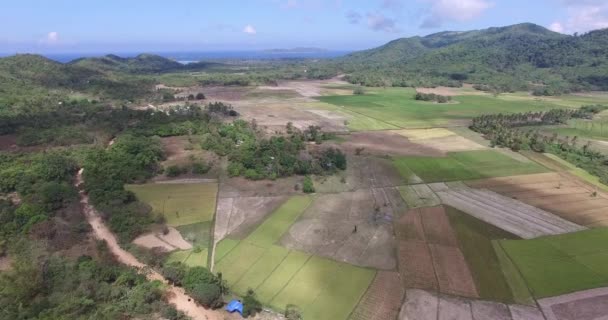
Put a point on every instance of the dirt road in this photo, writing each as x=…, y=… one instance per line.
x=176, y=295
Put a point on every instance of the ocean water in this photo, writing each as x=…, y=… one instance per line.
x=188, y=57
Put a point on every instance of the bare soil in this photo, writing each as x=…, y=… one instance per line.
x=237, y=217
x=584, y=305
x=168, y=242
x=327, y=228
x=558, y=193
x=416, y=265
x=241, y=187
x=437, y=227
x=425, y=305
x=5, y=263
x=453, y=274
x=382, y=300
x=385, y=143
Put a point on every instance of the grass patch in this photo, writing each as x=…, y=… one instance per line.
x=281, y=275
x=180, y=204
x=519, y=289
x=397, y=107
x=465, y=166
x=561, y=264
x=224, y=247
x=475, y=237
x=262, y=269
x=197, y=233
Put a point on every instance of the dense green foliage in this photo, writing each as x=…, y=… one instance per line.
x=51, y=287
x=251, y=305
x=518, y=57
x=208, y=289
x=270, y=158
x=502, y=131
x=432, y=97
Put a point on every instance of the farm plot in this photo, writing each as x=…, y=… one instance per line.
x=180, y=204
x=382, y=300
x=419, y=195
x=429, y=253
x=465, y=166
x=322, y=288
x=425, y=305
x=561, y=264
x=353, y=227
x=558, y=193
x=365, y=172
x=584, y=305
x=237, y=217
x=397, y=107
x=506, y=213
x=440, y=139
x=386, y=143
x=475, y=238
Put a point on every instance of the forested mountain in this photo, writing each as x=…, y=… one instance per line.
x=141, y=64
x=522, y=56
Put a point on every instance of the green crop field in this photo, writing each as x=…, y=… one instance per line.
x=475, y=237
x=397, y=107
x=281, y=276
x=190, y=257
x=561, y=264
x=196, y=233
x=465, y=166
x=181, y=204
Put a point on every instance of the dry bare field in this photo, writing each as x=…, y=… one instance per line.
x=506, y=213
x=429, y=253
x=426, y=305
x=382, y=300
x=559, y=193
x=441, y=140
x=327, y=228
x=584, y=305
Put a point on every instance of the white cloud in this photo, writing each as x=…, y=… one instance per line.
x=291, y=4
x=51, y=38
x=249, y=29
x=557, y=27
x=585, y=15
x=454, y=10
x=379, y=22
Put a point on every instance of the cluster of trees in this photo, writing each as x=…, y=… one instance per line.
x=270, y=158
x=198, y=167
x=221, y=109
x=207, y=288
x=432, y=97
x=130, y=159
x=503, y=131
x=41, y=285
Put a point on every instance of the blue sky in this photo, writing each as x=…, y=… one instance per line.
x=45, y=26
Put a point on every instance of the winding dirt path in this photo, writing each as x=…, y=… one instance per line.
x=177, y=296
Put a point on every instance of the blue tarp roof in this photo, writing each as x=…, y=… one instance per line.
x=235, y=305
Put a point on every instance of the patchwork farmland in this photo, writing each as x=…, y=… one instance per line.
x=426, y=222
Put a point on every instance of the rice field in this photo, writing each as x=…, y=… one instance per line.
x=464, y=166
x=321, y=288
x=556, y=265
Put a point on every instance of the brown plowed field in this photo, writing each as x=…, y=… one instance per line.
x=386, y=143
x=437, y=227
x=561, y=194
x=382, y=300
x=416, y=265
x=429, y=253
x=452, y=271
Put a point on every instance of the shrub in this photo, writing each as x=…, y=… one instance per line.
x=200, y=96
x=358, y=91
x=292, y=312
x=174, y=171
x=200, y=168
x=174, y=272
x=207, y=294
x=307, y=185
x=251, y=305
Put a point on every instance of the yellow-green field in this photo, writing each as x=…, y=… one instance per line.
x=180, y=204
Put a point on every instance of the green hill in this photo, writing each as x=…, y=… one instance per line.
x=517, y=57
x=143, y=63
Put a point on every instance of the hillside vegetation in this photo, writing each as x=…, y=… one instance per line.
x=517, y=57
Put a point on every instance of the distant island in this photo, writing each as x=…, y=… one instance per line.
x=296, y=50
